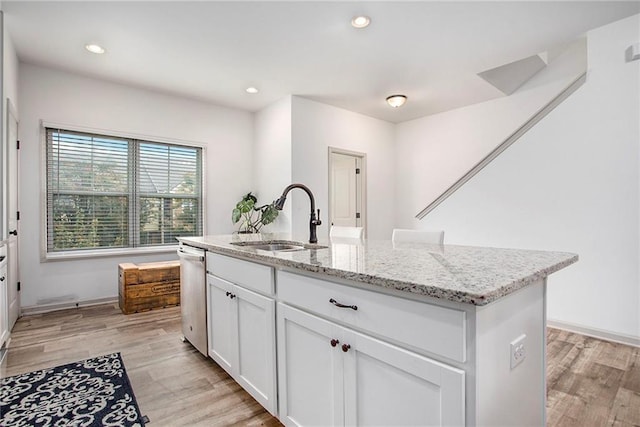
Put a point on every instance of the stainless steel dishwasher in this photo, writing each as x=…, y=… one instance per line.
x=193, y=296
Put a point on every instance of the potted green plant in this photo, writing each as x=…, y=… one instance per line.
x=252, y=218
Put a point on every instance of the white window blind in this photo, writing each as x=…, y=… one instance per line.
x=111, y=192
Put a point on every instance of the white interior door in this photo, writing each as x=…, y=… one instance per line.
x=343, y=190
x=13, y=162
x=346, y=189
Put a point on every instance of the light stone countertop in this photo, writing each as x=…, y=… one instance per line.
x=466, y=274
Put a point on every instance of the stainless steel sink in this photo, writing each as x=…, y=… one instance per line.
x=278, y=245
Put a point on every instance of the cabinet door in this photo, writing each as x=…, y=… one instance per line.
x=387, y=385
x=222, y=323
x=256, y=335
x=310, y=370
x=4, y=308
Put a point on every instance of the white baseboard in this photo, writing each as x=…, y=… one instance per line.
x=595, y=333
x=46, y=308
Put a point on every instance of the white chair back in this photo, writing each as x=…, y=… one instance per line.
x=421, y=236
x=346, y=232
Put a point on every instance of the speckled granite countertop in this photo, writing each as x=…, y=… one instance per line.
x=472, y=275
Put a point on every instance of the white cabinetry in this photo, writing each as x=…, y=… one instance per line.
x=332, y=375
x=221, y=323
x=404, y=362
x=433, y=329
x=241, y=325
x=310, y=369
x=387, y=385
x=4, y=303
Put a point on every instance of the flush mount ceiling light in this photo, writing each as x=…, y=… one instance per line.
x=252, y=89
x=95, y=48
x=396, y=100
x=360, y=21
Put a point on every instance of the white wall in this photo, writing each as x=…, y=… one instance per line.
x=60, y=97
x=315, y=127
x=433, y=152
x=572, y=183
x=10, y=71
x=272, y=158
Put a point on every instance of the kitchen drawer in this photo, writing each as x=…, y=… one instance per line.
x=252, y=276
x=427, y=327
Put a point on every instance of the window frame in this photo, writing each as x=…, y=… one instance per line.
x=46, y=256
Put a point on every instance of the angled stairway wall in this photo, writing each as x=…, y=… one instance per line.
x=435, y=152
x=572, y=183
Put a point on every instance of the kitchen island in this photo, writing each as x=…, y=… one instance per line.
x=377, y=333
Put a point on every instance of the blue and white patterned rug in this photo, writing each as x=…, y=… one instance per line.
x=93, y=392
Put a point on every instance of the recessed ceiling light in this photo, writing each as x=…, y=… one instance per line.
x=94, y=48
x=396, y=101
x=360, y=21
x=252, y=89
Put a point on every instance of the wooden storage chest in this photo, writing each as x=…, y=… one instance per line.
x=147, y=286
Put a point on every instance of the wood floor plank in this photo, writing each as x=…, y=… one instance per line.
x=174, y=384
x=585, y=380
x=563, y=354
x=631, y=380
x=615, y=355
x=591, y=383
x=626, y=409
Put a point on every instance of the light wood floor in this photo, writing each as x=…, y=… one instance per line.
x=173, y=383
x=590, y=382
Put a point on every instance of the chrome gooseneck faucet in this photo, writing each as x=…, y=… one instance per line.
x=314, y=221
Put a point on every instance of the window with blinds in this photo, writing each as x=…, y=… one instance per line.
x=111, y=192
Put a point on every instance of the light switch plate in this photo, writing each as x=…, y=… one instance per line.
x=518, y=350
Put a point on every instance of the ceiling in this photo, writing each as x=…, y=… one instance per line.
x=212, y=50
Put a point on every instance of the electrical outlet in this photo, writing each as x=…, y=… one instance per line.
x=518, y=350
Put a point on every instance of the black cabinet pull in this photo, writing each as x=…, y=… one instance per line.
x=337, y=304
x=14, y=232
x=232, y=296
x=334, y=342
x=345, y=347
x=2, y=280
x=227, y=293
